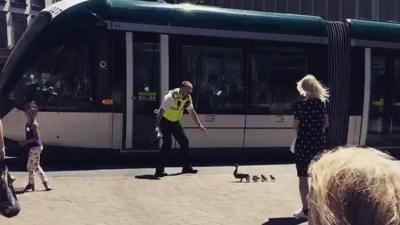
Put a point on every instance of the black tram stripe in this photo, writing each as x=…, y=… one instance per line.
x=338, y=82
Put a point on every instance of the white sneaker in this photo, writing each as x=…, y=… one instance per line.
x=301, y=214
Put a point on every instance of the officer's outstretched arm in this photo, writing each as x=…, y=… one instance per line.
x=196, y=119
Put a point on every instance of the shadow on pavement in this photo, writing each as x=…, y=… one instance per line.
x=240, y=182
x=174, y=174
x=147, y=177
x=284, y=221
x=152, y=177
x=19, y=190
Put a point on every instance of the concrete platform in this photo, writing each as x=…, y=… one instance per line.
x=134, y=196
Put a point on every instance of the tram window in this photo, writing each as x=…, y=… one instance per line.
x=3, y=31
x=60, y=78
x=387, y=11
x=320, y=8
x=275, y=72
x=217, y=74
x=19, y=1
x=364, y=10
x=237, y=4
x=306, y=7
x=39, y=3
x=378, y=85
x=19, y=24
x=270, y=6
x=146, y=57
x=247, y=5
x=333, y=10
x=294, y=7
x=396, y=98
x=349, y=8
x=281, y=6
x=258, y=5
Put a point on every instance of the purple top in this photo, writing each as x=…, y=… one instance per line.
x=29, y=134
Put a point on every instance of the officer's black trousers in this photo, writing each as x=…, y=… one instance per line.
x=169, y=129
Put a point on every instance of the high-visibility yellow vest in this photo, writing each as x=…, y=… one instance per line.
x=175, y=112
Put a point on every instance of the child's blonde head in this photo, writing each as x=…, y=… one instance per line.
x=310, y=87
x=355, y=186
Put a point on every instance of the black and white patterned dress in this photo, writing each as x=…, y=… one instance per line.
x=310, y=137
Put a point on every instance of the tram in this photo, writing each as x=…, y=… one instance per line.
x=98, y=69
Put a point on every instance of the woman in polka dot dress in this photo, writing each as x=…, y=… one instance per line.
x=310, y=122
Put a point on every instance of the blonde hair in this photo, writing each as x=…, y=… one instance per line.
x=309, y=86
x=355, y=186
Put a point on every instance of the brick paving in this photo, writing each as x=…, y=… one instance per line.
x=127, y=196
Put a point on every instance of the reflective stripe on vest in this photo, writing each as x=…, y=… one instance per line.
x=175, y=112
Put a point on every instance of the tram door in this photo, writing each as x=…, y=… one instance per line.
x=384, y=112
x=143, y=88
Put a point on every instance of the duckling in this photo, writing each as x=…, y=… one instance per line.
x=272, y=178
x=255, y=178
x=240, y=176
x=264, y=178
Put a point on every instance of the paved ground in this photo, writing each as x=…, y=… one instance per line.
x=131, y=196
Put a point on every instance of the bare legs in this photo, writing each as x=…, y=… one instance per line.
x=303, y=188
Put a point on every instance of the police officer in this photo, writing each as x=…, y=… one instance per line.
x=167, y=124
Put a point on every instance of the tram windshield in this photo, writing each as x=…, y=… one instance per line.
x=53, y=62
x=59, y=75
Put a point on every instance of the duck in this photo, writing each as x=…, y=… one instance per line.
x=240, y=176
